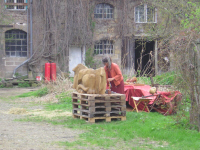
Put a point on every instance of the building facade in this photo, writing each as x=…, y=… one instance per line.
x=117, y=30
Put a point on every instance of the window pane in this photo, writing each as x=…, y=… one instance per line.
x=18, y=42
x=24, y=48
x=17, y=36
x=12, y=53
x=150, y=14
x=139, y=13
x=15, y=46
x=10, y=7
x=18, y=54
x=20, y=7
x=7, y=54
x=24, y=42
x=20, y=1
x=6, y=35
x=7, y=42
x=101, y=46
x=12, y=48
x=136, y=15
x=24, y=54
x=10, y=1
x=18, y=48
x=103, y=11
x=7, y=48
x=12, y=42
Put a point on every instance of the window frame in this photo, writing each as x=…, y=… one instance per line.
x=16, y=5
x=146, y=6
x=104, y=13
x=104, y=43
x=16, y=43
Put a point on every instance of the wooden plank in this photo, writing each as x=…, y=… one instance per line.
x=93, y=120
x=88, y=114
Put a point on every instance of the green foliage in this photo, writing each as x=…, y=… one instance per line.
x=17, y=75
x=192, y=18
x=89, y=58
x=125, y=77
x=92, y=23
x=71, y=79
x=92, y=26
x=144, y=80
x=2, y=86
x=39, y=93
x=24, y=84
x=165, y=78
x=42, y=92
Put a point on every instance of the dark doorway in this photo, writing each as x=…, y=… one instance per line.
x=144, y=62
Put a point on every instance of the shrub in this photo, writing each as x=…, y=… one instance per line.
x=24, y=84
x=165, y=78
x=42, y=92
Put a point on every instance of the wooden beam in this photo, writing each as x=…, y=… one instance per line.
x=16, y=4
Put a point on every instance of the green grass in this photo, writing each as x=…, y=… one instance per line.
x=164, y=130
x=65, y=103
x=39, y=93
x=146, y=126
x=139, y=131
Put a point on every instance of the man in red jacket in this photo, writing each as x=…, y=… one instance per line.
x=113, y=75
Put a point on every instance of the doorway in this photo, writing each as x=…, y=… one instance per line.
x=75, y=58
x=144, y=60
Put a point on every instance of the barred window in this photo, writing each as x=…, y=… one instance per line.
x=104, y=11
x=104, y=47
x=144, y=14
x=15, y=4
x=16, y=43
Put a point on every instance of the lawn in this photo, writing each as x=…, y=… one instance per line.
x=140, y=130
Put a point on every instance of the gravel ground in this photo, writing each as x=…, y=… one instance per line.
x=16, y=135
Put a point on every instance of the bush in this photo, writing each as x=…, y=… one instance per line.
x=24, y=84
x=41, y=92
x=165, y=78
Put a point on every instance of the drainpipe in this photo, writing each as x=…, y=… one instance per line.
x=31, y=39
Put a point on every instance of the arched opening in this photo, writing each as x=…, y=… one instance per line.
x=15, y=43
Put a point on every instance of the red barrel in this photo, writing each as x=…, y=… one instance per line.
x=47, y=71
x=53, y=71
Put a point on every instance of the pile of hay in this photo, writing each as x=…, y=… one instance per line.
x=50, y=114
x=17, y=111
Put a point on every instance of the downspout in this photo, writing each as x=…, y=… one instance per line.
x=31, y=39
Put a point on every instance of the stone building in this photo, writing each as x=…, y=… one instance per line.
x=117, y=31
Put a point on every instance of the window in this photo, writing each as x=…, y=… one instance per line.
x=144, y=14
x=15, y=4
x=16, y=43
x=104, y=11
x=103, y=47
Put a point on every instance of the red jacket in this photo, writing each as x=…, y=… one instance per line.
x=115, y=73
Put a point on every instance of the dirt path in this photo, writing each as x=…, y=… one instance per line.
x=16, y=135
